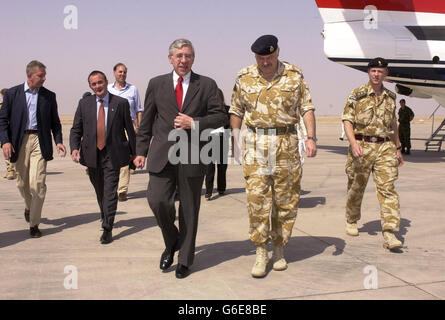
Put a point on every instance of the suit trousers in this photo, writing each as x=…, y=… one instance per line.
x=161, y=199
x=220, y=160
x=105, y=180
x=31, y=170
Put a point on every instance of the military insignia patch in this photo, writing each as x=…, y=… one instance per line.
x=392, y=95
x=361, y=94
x=271, y=49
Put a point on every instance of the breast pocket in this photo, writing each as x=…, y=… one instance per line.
x=388, y=116
x=364, y=115
x=249, y=97
x=289, y=96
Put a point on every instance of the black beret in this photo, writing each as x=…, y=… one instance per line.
x=378, y=63
x=265, y=45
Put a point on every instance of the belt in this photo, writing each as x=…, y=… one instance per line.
x=273, y=130
x=371, y=138
x=31, y=131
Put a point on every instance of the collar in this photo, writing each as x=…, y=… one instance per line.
x=185, y=78
x=372, y=92
x=36, y=90
x=124, y=88
x=106, y=98
x=280, y=70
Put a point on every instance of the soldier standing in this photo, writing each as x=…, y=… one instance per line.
x=371, y=128
x=406, y=115
x=270, y=97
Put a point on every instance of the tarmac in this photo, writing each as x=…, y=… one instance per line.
x=68, y=261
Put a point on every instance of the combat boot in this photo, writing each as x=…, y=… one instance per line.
x=279, y=263
x=391, y=242
x=351, y=229
x=259, y=269
x=10, y=175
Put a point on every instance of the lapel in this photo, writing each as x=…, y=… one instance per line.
x=191, y=91
x=168, y=85
x=91, y=115
x=41, y=99
x=112, y=109
x=22, y=104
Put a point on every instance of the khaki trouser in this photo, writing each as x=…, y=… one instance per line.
x=124, y=176
x=124, y=180
x=10, y=167
x=31, y=176
x=272, y=170
x=380, y=159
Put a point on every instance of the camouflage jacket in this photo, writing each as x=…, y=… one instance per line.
x=266, y=104
x=371, y=115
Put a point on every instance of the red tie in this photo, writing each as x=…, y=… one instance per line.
x=100, y=133
x=179, y=92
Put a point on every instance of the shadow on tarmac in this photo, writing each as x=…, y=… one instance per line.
x=298, y=249
x=136, y=225
x=374, y=228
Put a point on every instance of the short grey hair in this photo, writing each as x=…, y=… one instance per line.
x=32, y=65
x=178, y=44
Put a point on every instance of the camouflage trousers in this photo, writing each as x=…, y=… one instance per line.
x=381, y=160
x=272, y=171
x=405, y=135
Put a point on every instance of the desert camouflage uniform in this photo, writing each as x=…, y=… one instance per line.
x=271, y=163
x=10, y=167
x=405, y=116
x=372, y=115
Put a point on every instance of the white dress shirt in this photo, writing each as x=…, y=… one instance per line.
x=129, y=92
x=31, y=103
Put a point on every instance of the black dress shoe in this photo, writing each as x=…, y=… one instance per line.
x=27, y=215
x=182, y=271
x=167, y=258
x=208, y=195
x=106, y=237
x=35, y=232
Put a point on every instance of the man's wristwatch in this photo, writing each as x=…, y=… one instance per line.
x=399, y=148
x=312, y=138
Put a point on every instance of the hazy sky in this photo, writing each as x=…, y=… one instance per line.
x=138, y=34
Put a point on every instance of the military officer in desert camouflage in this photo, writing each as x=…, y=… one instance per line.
x=371, y=128
x=270, y=96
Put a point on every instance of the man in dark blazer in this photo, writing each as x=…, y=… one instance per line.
x=98, y=141
x=178, y=101
x=28, y=117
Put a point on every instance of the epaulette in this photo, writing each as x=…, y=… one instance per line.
x=391, y=94
x=361, y=94
x=243, y=72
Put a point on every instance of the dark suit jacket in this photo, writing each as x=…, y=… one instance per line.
x=14, y=115
x=160, y=109
x=83, y=132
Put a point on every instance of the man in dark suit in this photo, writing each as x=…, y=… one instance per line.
x=27, y=118
x=98, y=141
x=182, y=102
